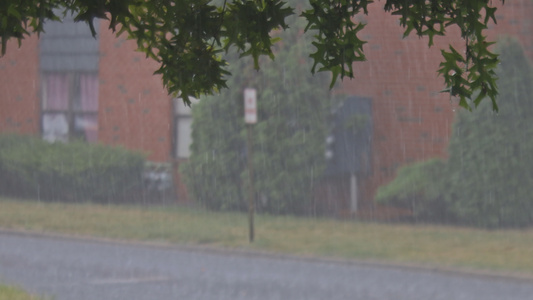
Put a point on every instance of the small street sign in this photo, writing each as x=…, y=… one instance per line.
x=250, y=106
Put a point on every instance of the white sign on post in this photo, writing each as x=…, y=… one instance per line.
x=250, y=106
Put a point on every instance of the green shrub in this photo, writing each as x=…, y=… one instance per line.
x=419, y=187
x=491, y=154
x=288, y=140
x=76, y=171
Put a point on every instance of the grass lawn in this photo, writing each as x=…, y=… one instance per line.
x=14, y=293
x=508, y=251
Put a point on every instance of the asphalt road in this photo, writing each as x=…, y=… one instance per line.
x=76, y=269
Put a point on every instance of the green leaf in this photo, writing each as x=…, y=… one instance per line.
x=11, y=10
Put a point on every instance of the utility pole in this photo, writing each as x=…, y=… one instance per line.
x=250, y=118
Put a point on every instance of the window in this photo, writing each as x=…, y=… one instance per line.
x=70, y=106
x=183, y=123
x=69, y=66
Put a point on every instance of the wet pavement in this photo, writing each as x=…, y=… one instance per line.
x=78, y=269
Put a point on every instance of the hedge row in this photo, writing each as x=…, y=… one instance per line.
x=76, y=171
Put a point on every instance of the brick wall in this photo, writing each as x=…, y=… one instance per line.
x=515, y=19
x=134, y=108
x=19, y=88
x=412, y=120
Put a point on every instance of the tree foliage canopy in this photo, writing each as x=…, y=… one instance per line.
x=187, y=37
x=288, y=152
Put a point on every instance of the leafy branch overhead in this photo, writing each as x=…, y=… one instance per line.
x=188, y=37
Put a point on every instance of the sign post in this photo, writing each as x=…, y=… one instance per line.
x=250, y=118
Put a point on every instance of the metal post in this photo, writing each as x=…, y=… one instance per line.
x=251, y=196
x=353, y=193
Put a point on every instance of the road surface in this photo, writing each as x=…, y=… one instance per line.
x=77, y=269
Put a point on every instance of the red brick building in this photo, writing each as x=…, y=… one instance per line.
x=411, y=119
x=66, y=84
x=108, y=94
x=131, y=105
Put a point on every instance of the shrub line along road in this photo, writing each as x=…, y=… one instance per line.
x=69, y=268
